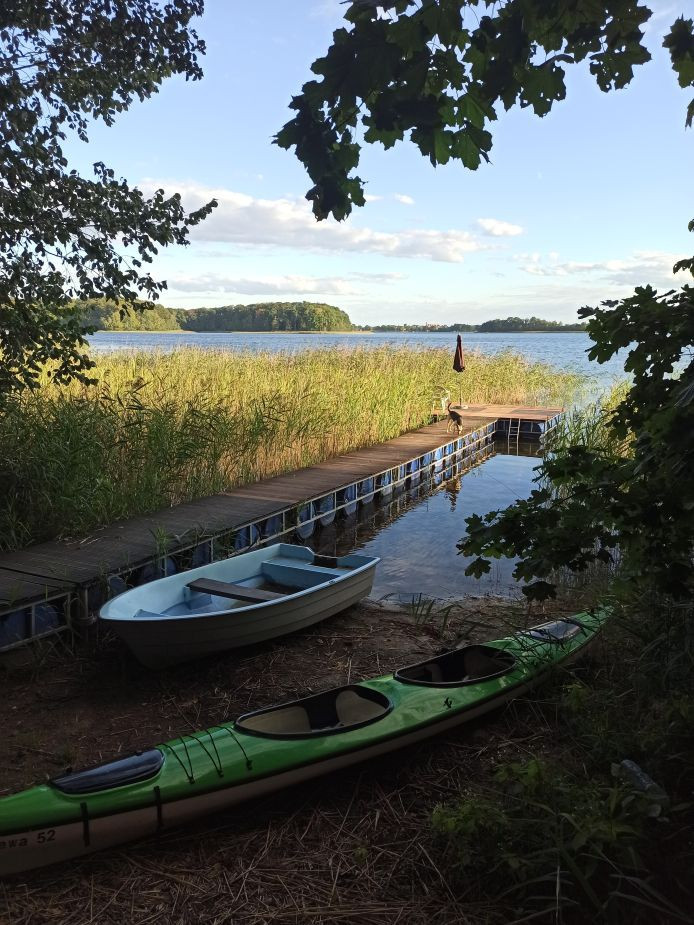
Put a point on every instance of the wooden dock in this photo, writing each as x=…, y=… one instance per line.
x=46, y=586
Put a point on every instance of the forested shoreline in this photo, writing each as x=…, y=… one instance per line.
x=283, y=316
x=493, y=326
x=265, y=316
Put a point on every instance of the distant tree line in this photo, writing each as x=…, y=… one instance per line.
x=265, y=316
x=497, y=325
x=529, y=324
x=279, y=316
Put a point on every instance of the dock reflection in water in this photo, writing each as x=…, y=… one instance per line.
x=415, y=532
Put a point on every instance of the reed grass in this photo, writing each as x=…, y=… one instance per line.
x=159, y=429
x=590, y=426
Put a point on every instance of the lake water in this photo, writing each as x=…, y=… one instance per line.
x=565, y=351
x=416, y=534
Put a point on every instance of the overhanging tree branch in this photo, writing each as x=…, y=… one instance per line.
x=63, y=63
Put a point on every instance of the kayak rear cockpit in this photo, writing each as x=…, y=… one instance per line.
x=339, y=710
x=468, y=665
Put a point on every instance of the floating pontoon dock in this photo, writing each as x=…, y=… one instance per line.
x=46, y=587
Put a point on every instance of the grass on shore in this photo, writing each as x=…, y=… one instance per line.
x=159, y=429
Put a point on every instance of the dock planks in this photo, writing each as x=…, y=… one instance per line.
x=43, y=569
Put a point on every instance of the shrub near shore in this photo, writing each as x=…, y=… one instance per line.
x=159, y=429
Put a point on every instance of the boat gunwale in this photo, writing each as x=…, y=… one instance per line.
x=152, y=616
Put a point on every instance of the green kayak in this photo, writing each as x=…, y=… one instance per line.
x=275, y=747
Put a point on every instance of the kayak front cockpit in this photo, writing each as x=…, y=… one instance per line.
x=339, y=710
x=476, y=663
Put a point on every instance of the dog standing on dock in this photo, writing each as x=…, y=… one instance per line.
x=455, y=419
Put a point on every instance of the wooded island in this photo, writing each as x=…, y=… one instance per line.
x=280, y=316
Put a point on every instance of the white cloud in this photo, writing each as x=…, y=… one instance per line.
x=270, y=285
x=379, y=277
x=325, y=9
x=288, y=223
x=642, y=267
x=499, y=229
x=371, y=197
x=404, y=199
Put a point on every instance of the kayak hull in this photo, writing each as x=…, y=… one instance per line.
x=249, y=774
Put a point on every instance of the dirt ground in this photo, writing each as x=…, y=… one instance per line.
x=354, y=848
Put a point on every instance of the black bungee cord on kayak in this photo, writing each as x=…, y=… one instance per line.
x=187, y=765
x=249, y=763
x=188, y=771
x=216, y=761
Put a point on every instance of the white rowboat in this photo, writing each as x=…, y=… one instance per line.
x=236, y=602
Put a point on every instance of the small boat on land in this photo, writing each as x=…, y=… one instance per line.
x=236, y=602
x=272, y=748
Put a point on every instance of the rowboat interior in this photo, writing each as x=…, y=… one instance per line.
x=468, y=665
x=277, y=577
x=337, y=710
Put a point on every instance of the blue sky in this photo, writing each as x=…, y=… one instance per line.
x=574, y=208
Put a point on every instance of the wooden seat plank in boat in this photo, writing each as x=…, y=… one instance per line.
x=227, y=589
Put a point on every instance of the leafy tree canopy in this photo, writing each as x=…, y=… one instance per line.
x=266, y=316
x=438, y=71
x=62, y=63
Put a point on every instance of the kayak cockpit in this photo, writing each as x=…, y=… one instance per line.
x=468, y=665
x=339, y=710
x=128, y=770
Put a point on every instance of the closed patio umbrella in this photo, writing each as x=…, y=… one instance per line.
x=459, y=364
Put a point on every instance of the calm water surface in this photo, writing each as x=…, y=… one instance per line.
x=416, y=533
x=566, y=351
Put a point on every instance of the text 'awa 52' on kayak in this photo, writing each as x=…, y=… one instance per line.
x=277, y=746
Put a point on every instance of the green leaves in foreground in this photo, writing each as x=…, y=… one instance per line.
x=680, y=43
x=556, y=840
x=633, y=497
x=64, y=236
x=438, y=71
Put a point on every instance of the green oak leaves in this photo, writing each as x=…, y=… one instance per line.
x=438, y=72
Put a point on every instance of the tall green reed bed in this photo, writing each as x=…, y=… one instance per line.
x=159, y=429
